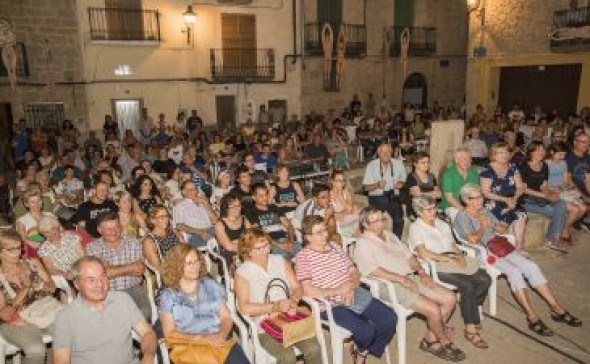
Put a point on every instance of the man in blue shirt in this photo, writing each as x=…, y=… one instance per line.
x=20, y=141
x=267, y=157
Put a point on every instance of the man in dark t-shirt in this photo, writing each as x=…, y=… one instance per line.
x=88, y=212
x=269, y=218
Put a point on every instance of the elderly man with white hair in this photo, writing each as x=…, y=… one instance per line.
x=453, y=178
x=384, y=177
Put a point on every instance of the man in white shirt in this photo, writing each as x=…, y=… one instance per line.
x=193, y=216
x=384, y=177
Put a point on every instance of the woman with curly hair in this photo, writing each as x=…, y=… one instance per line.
x=192, y=307
x=145, y=195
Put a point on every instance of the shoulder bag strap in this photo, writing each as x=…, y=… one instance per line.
x=275, y=282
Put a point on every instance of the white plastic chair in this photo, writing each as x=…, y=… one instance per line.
x=261, y=356
x=339, y=334
x=402, y=313
x=9, y=350
x=479, y=252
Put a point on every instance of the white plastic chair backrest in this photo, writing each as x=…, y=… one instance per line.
x=151, y=295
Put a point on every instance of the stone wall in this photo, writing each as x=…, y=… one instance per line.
x=515, y=34
x=381, y=74
x=515, y=27
x=35, y=22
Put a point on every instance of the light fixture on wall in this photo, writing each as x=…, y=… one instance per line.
x=190, y=18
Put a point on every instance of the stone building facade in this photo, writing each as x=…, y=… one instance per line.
x=515, y=34
x=168, y=73
x=48, y=32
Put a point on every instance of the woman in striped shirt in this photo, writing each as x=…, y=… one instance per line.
x=326, y=271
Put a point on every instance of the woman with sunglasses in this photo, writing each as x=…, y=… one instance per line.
x=161, y=237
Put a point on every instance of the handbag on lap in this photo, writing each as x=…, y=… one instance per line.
x=288, y=328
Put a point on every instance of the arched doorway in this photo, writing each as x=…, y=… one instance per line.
x=415, y=90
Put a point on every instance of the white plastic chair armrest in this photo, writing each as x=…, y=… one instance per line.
x=61, y=283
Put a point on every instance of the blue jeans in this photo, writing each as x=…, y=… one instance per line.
x=372, y=330
x=197, y=241
x=555, y=211
x=236, y=356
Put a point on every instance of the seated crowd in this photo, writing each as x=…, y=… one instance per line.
x=167, y=201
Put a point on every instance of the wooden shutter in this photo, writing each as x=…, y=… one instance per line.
x=124, y=19
x=404, y=13
x=238, y=37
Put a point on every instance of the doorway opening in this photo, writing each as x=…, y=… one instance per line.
x=225, y=106
x=128, y=114
x=415, y=90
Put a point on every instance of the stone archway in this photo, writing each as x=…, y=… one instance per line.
x=415, y=90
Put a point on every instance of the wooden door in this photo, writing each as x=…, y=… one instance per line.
x=551, y=87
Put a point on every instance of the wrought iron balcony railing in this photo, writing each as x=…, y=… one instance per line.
x=355, y=36
x=422, y=41
x=242, y=64
x=568, y=33
x=115, y=24
x=22, y=63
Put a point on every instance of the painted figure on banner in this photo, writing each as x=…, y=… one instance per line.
x=405, y=46
x=327, y=45
x=340, y=52
x=9, y=54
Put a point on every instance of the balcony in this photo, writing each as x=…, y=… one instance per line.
x=242, y=64
x=422, y=41
x=22, y=63
x=570, y=32
x=124, y=25
x=356, y=39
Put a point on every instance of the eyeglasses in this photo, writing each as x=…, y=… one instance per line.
x=261, y=247
x=13, y=249
x=192, y=263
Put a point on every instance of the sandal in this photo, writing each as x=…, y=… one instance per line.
x=566, y=318
x=446, y=352
x=476, y=339
x=540, y=328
